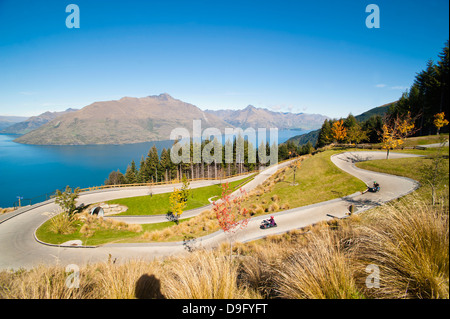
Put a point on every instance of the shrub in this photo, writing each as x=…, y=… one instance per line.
x=274, y=207
x=67, y=200
x=275, y=198
x=62, y=224
x=259, y=210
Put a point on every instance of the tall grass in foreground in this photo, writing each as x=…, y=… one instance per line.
x=409, y=241
x=204, y=275
x=44, y=282
x=320, y=270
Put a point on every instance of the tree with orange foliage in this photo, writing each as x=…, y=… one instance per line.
x=230, y=213
x=395, y=131
x=339, y=131
x=439, y=121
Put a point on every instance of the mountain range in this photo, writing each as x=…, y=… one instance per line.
x=6, y=121
x=264, y=118
x=152, y=118
x=33, y=122
x=134, y=120
x=125, y=121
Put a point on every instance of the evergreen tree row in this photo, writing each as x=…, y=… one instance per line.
x=160, y=168
x=356, y=131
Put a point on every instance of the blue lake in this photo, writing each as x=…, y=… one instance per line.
x=31, y=171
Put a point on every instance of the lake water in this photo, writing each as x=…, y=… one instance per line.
x=31, y=171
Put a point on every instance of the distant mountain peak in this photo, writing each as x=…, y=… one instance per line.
x=162, y=97
x=250, y=109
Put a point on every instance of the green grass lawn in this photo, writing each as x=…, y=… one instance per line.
x=158, y=204
x=101, y=236
x=423, y=140
x=317, y=180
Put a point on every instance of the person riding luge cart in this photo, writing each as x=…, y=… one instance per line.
x=375, y=188
x=268, y=223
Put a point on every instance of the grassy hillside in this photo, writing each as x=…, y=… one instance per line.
x=317, y=180
x=407, y=240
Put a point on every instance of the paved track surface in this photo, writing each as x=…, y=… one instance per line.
x=19, y=248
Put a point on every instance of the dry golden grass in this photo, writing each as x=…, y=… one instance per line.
x=204, y=275
x=409, y=241
x=6, y=210
x=200, y=225
x=274, y=207
x=44, y=282
x=319, y=270
x=125, y=281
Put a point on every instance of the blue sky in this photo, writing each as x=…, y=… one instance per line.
x=299, y=56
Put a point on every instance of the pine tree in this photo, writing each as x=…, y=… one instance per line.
x=427, y=96
x=228, y=155
x=350, y=121
x=428, y=83
x=152, y=165
x=325, y=134
x=217, y=155
x=372, y=126
x=306, y=148
x=131, y=173
x=141, y=175
x=263, y=159
x=165, y=164
x=197, y=157
x=442, y=70
x=172, y=168
x=283, y=152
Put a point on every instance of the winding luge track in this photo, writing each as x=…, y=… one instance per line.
x=19, y=248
